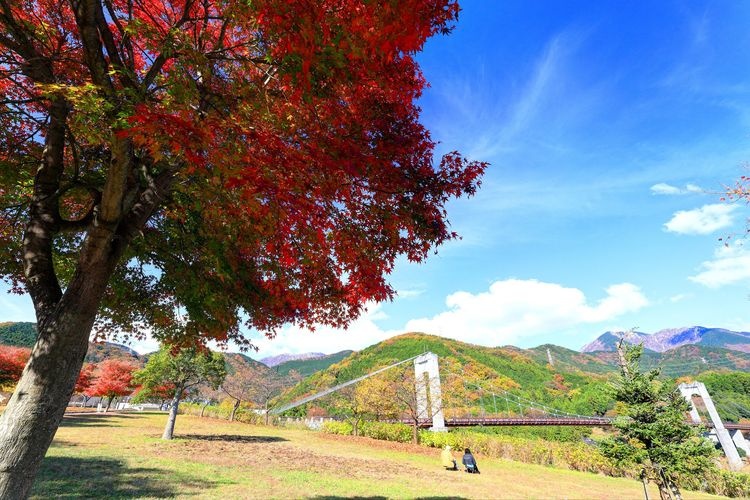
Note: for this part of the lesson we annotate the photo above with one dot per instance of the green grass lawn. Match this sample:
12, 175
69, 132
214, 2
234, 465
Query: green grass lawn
121, 456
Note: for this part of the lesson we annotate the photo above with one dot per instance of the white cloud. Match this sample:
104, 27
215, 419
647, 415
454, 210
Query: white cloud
410, 293
512, 309
679, 297
731, 264
663, 188
703, 220
509, 310
361, 333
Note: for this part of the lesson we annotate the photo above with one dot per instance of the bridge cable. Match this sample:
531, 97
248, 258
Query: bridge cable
331, 390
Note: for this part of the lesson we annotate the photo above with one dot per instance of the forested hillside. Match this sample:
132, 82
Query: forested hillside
18, 334
306, 367
498, 369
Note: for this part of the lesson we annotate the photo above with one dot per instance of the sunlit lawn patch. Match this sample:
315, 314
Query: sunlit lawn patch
123, 456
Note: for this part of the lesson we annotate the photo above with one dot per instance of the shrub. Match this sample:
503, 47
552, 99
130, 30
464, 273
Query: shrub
727, 483
401, 433
334, 427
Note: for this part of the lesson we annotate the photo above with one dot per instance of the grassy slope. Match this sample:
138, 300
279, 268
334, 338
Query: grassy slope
121, 456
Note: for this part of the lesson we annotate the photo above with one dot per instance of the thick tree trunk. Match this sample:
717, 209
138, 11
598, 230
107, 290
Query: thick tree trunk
169, 428
109, 403
37, 406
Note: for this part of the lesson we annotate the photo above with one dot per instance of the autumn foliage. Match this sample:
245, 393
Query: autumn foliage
285, 132
85, 379
258, 162
114, 378
12, 361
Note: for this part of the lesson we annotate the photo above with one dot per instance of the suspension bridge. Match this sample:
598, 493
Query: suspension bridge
430, 412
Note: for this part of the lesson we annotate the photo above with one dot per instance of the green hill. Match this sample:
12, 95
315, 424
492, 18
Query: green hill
572, 391
564, 359
306, 367
18, 334
99, 351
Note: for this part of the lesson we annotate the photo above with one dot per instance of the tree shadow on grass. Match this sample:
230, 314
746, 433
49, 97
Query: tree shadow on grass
234, 438
333, 497
98, 420
102, 477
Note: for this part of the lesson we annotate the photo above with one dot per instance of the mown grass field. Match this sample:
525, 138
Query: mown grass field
122, 455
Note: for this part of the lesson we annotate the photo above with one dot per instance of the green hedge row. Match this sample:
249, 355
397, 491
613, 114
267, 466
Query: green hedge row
377, 430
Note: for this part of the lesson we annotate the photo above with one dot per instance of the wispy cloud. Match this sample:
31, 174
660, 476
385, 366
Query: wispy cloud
663, 188
703, 220
679, 297
500, 112
410, 293
731, 264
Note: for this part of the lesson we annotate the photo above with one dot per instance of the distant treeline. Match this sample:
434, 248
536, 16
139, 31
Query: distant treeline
18, 334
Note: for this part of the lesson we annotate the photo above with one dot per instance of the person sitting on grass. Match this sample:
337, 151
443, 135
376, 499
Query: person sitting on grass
469, 463
447, 457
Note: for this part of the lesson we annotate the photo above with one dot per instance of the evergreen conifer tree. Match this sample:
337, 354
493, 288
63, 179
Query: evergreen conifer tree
654, 433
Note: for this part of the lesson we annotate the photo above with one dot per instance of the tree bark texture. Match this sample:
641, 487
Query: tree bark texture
169, 428
37, 406
234, 410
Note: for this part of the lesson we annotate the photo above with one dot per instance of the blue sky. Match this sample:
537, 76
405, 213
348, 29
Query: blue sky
611, 128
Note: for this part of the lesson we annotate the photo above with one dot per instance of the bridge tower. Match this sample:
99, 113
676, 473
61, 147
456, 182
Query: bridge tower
727, 444
429, 396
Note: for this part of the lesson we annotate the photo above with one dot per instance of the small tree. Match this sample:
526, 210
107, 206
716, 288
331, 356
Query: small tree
241, 382
403, 388
348, 403
654, 434
374, 395
184, 369
271, 386
85, 381
114, 378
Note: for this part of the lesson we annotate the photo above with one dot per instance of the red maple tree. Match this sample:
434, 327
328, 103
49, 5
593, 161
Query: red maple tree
228, 159
113, 378
12, 361
85, 381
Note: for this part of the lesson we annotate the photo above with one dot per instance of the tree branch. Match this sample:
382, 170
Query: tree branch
41, 280
86, 13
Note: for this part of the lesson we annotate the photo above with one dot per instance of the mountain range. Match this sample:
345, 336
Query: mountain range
272, 361
672, 338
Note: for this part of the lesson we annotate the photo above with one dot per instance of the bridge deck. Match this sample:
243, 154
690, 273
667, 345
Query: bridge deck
588, 422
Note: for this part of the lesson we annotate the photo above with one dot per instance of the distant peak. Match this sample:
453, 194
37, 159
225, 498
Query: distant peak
272, 361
